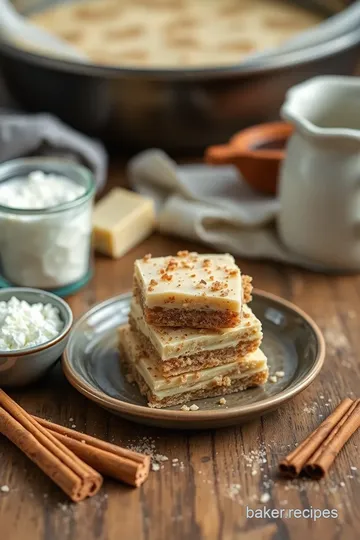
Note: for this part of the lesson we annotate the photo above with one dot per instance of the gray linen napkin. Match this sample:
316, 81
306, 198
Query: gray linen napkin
211, 205
25, 134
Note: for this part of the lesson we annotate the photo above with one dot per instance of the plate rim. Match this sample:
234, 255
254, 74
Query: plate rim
239, 411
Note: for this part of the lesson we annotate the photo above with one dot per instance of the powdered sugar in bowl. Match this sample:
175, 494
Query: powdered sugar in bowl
45, 224
34, 330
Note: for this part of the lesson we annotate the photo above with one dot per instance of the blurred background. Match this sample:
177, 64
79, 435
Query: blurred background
175, 74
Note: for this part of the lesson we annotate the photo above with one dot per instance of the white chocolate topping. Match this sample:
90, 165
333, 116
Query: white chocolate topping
174, 342
121, 220
190, 281
163, 387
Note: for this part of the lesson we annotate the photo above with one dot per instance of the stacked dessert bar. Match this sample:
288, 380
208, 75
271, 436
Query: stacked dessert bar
191, 334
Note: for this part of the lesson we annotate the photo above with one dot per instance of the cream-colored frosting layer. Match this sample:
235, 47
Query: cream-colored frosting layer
163, 387
190, 281
175, 342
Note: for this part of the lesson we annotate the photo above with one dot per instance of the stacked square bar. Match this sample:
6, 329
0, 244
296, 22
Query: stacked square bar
191, 334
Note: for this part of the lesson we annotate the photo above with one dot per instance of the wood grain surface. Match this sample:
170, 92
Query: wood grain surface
210, 478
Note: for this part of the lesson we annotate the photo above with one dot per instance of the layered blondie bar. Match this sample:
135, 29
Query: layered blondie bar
209, 382
190, 333
179, 350
191, 290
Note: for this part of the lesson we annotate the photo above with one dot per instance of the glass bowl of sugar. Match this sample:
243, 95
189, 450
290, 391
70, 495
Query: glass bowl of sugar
45, 224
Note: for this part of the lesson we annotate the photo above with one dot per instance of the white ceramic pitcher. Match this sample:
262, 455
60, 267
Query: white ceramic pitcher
320, 178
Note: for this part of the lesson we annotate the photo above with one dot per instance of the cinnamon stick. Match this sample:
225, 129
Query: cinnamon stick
297, 460
70, 473
321, 461
109, 459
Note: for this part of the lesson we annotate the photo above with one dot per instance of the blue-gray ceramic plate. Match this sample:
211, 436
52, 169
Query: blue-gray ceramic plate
292, 342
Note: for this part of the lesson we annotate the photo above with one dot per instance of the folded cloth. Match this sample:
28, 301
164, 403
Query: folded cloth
24, 134
212, 205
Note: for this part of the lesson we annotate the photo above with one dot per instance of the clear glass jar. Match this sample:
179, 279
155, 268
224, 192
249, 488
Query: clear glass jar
48, 248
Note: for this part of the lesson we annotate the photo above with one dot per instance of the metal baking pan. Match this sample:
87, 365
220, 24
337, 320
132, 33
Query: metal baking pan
176, 109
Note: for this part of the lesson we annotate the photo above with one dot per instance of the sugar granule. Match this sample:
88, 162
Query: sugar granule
194, 407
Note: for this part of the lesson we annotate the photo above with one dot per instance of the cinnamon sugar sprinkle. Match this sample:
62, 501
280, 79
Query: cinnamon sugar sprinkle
231, 271
172, 265
152, 284
218, 285
185, 264
186, 260
166, 277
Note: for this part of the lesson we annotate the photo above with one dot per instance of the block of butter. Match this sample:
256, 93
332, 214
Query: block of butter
121, 220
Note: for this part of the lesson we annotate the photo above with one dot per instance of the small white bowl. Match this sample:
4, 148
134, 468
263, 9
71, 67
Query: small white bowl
25, 366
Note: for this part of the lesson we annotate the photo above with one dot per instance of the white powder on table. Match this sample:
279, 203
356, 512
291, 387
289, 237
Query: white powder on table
265, 497
23, 325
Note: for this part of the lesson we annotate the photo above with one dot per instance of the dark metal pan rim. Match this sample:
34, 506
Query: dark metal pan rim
271, 63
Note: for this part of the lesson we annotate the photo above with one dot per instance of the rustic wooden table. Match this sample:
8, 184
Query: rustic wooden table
211, 477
